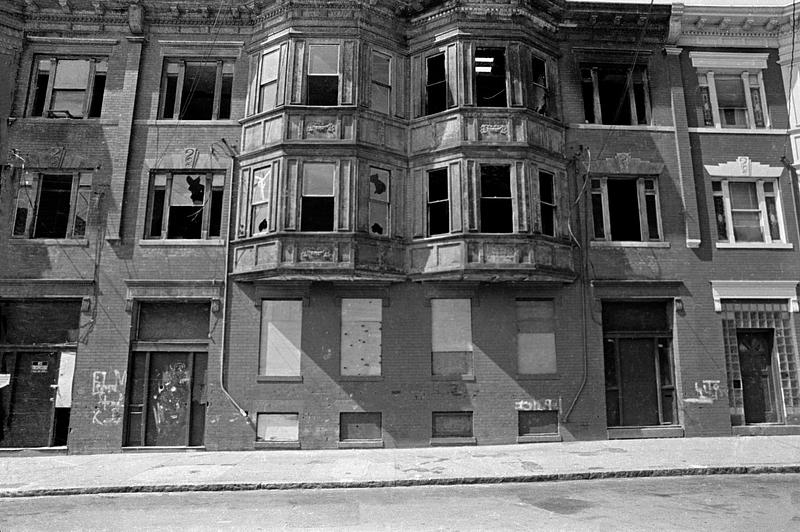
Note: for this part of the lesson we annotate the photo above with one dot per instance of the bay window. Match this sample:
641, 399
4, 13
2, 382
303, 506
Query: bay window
317, 208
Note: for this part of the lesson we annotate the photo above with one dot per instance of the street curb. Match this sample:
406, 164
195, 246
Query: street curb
452, 481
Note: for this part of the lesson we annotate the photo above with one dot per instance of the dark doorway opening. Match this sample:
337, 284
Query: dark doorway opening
758, 375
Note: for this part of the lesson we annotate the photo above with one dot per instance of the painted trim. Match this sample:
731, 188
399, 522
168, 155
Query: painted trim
729, 60
627, 244
754, 245
743, 167
738, 131
755, 290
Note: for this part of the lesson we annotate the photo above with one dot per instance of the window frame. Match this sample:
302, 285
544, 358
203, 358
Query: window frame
263, 343
553, 205
375, 201
477, 75
509, 198
763, 211
642, 192
245, 207
469, 351
210, 176
80, 186
447, 104
47, 103
373, 82
446, 172
334, 193
178, 107
309, 75
547, 108
594, 79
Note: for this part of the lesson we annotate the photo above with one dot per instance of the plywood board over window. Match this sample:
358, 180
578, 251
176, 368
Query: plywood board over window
361, 337
281, 329
451, 338
536, 341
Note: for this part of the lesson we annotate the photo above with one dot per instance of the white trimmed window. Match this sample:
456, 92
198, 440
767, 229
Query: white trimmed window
281, 331
68, 87
256, 199
748, 211
53, 205
732, 91
626, 209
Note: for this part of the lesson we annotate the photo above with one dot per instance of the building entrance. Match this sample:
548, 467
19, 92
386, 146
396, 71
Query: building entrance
758, 380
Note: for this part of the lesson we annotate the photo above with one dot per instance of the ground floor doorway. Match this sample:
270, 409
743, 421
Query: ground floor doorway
757, 376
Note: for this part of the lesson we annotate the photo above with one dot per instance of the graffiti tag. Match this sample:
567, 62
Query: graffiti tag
708, 391
537, 404
108, 391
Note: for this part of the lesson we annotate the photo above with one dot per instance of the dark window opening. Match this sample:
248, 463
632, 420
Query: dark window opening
170, 91
318, 205
196, 90
490, 77
226, 92
323, 75
496, 205
452, 425
185, 206
68, 87
547, 203
623, 209
40, 88
215, 213
317, 214
438, 202
436, 85
534, 422
615, 95
52, 219
360, 426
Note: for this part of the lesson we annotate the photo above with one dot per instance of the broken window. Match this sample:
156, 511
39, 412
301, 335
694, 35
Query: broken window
381, 89
639, 375
536, 339
616, 95
438, 202
185, 205
260, 200
436, 85
68, 87
490, 77
748, 211
451, 425
540, 89
451, 341
317, 209
547, 202
268, 81
196, 90
360, 426
731, 89
360, 351
323, 74
379, 202
496, 204
281, 330
626, 209
53, 206
278, 427
536, 422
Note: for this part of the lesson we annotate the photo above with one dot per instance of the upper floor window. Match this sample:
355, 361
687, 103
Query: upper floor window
323, 74
626, 209
68, 87
317, 208
438, 202
547, 202
53, 205
268, 80
381, 83
196, 90
379, 201
496, 204
185, 205
541, 100
732, 89
439, 81
748, 211
617, 95
490, 77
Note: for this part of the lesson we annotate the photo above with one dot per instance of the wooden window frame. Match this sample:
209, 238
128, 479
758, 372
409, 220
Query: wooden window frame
642, 194
428, 201
29, 194
373, 82
752, 80
54, 59
178, 105
309, 74
762, 210
209, 188
594, 70
387, 233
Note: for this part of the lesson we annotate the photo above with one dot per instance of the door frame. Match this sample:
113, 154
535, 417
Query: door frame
774, 376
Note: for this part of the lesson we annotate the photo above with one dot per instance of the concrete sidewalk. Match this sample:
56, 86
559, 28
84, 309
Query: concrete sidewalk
253, 470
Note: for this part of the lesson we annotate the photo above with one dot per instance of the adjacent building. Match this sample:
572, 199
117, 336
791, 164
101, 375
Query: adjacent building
320, 224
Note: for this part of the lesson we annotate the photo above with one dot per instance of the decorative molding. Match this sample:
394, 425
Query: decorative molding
159, 289
46, 288
83, 41
743, 167
624, 164
754, 290
729, 60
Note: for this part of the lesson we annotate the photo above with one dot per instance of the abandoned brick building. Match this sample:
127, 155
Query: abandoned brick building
311, 224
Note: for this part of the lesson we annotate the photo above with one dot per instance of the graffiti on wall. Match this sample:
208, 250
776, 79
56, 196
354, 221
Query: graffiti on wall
170, 400
538, 404
708, 391
108, 391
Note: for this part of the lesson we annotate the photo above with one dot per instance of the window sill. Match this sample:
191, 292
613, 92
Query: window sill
162, 449
738, 131
170, 122
754, 245
606, 127
446, 442
539, 438
276, 445
467, 378
279, 378
361, 444
181, 243
538, 377
61, 242
94, 121
627, 433
361, 378
627, 244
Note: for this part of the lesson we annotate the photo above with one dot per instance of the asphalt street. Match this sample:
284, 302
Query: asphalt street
731, 502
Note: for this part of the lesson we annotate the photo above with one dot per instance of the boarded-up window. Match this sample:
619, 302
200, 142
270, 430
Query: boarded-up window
277, 427
360, 426
451, 337
452, 425
361, 337
538, 422
173, 320
536, 342
281, 328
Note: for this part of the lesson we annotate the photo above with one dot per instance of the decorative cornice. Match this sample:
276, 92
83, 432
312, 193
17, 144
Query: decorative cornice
754, 290
743, 167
